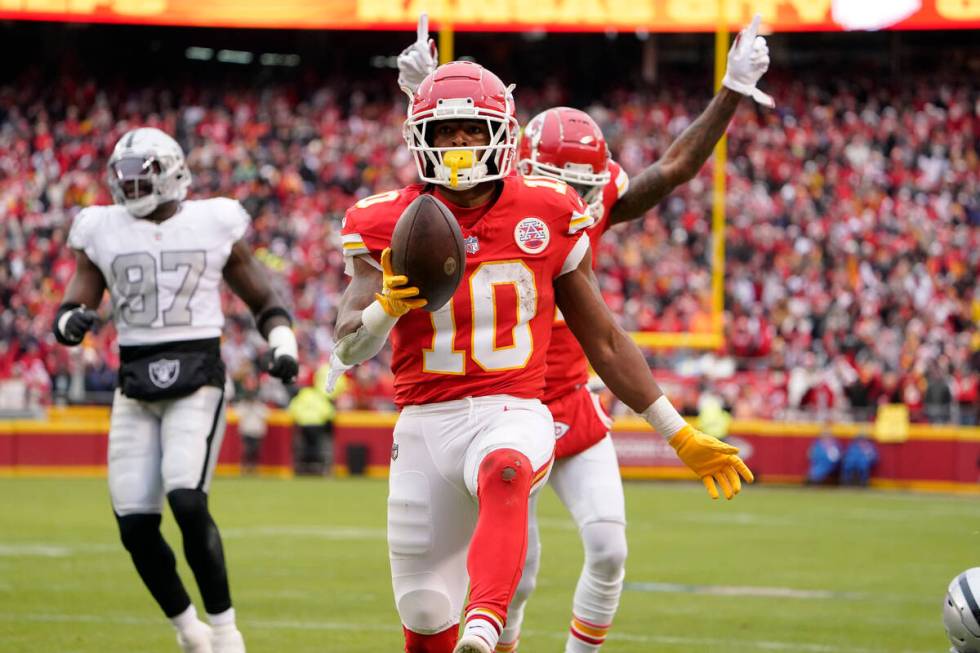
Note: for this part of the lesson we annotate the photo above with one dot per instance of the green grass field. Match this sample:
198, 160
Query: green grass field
777, 569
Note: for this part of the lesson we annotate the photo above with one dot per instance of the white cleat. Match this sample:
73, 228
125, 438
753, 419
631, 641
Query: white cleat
196, 639
472, 644
227, 639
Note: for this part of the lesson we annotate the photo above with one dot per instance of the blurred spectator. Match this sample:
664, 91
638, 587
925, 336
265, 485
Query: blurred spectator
713, 418
313, 412
859, 459
252, 425
824, 455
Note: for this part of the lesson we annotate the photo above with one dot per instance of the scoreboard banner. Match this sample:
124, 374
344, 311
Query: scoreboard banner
511, 15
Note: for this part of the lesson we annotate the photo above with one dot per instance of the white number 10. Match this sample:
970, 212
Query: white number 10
442, 358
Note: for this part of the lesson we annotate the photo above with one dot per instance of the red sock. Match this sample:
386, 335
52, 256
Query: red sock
443, 642
496, 557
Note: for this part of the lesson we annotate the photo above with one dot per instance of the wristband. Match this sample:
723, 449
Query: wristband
664, 418
377, 321
283, 342
268, 314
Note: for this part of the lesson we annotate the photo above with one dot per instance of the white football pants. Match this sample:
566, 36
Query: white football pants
159, 446
590, 486
432, 505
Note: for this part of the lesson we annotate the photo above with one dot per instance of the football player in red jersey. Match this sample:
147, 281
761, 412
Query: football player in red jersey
566, 144
473, 440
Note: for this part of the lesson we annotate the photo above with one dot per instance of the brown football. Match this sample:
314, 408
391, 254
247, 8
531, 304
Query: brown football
427, 247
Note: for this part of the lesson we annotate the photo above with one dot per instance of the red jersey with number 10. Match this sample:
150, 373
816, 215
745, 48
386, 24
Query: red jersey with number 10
567, 366
492, 337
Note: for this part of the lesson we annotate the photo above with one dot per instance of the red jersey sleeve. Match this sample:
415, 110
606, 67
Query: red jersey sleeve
367, 226
619, 183
565, 215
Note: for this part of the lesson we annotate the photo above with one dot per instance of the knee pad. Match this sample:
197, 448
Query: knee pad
605, 548
425, 610
138, 531
439, 643
410, 528
188, 506
507, 473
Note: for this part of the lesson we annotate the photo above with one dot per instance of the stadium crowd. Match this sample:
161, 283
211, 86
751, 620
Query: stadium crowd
853, 243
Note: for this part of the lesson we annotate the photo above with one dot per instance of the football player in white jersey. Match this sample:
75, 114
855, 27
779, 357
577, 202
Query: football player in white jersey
162, 259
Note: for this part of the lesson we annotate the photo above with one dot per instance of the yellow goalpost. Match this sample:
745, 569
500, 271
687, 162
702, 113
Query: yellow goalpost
716, 337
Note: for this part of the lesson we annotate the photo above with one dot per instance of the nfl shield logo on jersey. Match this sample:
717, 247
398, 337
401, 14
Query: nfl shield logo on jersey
531, 235
164, 372
471, 244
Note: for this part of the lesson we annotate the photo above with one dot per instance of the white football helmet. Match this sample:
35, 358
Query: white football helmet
961, 612
146, 169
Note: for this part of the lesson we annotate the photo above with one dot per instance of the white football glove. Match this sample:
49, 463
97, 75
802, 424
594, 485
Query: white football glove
748, 61
417, 60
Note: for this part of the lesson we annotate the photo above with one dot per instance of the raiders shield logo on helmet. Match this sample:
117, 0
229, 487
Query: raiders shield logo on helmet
164, 372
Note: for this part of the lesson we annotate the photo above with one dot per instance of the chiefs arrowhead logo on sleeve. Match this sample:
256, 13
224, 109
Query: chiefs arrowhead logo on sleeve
532, 235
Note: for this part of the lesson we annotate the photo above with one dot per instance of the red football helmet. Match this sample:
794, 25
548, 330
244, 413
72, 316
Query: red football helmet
462, 90
567, 144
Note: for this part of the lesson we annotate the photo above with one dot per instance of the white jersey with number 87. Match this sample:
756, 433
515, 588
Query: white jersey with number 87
164, 278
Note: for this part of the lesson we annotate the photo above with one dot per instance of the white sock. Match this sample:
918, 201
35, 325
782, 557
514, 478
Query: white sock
484, 627
599, 587
186, 619
226, 618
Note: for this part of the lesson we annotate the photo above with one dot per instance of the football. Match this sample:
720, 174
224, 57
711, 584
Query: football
427, 247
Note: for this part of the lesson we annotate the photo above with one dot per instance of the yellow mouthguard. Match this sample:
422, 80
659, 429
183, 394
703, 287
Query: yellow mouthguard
455, 160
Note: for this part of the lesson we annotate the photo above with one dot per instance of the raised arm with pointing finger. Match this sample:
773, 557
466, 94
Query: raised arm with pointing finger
417, 60
748, 61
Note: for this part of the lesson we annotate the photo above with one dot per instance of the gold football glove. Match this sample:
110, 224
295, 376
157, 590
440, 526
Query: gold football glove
712, 460
396, 297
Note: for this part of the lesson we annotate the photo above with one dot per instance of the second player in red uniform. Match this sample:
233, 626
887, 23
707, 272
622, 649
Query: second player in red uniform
473, 441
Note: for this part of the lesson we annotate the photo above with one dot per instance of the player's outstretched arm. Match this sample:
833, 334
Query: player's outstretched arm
620, 364
249, 279
359, 294
366, 316
680, 163
76, 315
748, 60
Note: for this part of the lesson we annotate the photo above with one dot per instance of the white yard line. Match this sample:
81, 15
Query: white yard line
743, 590
34, 550
260, 624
